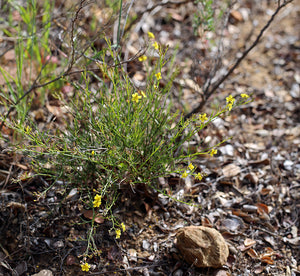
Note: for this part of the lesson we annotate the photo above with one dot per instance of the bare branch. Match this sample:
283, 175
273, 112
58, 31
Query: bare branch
69, 68
238, 61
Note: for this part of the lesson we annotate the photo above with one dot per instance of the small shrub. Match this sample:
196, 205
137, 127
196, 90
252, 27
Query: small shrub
118, 137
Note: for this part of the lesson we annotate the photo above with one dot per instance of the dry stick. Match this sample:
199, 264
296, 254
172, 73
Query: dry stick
217, 60
68, 72
238, 61
35, 85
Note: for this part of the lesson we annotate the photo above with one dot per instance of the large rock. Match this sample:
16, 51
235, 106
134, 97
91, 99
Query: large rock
202, 246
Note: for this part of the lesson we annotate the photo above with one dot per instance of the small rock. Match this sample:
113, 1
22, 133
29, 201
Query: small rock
202, 246
146, 245
132, 254
178, 272
44, 272
288, 164
58, 244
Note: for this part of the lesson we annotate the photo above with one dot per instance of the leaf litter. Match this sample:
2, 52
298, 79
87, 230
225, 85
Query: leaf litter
250, 194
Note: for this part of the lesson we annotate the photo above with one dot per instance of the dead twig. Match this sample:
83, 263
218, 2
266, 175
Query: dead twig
238, 61
65, 73
68, 71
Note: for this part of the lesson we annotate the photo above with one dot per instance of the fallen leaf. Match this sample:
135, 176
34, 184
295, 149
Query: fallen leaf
253, 146
249, 242
206, 222
267, 260
265, 161
231, 170
262, 208
259, 269
265, 191
252, 253
236, 15
246, 217
71, 260
233, 223
89, 214
132, 254
252, 177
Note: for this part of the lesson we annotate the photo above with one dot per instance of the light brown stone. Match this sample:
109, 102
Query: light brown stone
44, 272
202, 246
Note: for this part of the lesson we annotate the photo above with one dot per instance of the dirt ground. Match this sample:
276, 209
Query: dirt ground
251, 193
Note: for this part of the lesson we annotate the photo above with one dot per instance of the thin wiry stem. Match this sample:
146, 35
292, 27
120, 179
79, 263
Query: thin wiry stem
237, 62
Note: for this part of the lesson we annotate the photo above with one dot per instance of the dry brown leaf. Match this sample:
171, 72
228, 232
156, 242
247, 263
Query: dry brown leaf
228, 236
267, 260
236, 15
252, 177
253, 146
269, 251
245, 216
89, 214
265, 191
9, 56
176, 16
6, 130
231, 170
206, 222
249, 242
16, 205
265, 161
22, 166
71, 260
252, 253
262, 208
55, 110
139, 76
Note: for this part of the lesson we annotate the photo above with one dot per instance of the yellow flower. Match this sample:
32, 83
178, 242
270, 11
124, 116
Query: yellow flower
143, 94
213, 152
184, 175
123, 227
229, 106
28, 129
155, 45
158, 75
203, 117
244, 95
191, 166
230, 99
85, 267
136, 97
93, 152
142, 58
118, 233
151, 35
199, 176
97, 201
